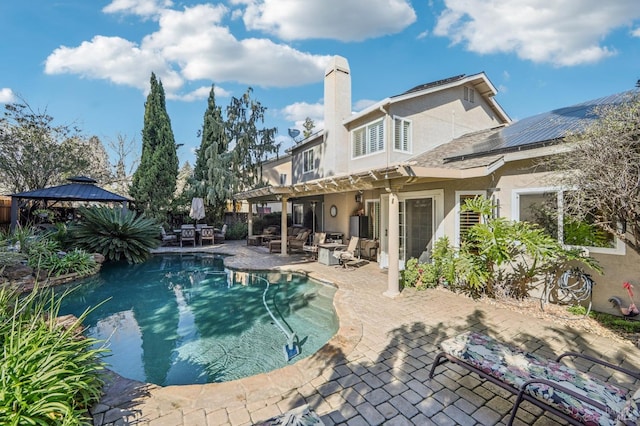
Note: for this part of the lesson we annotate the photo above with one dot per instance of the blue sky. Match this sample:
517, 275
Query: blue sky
88, 63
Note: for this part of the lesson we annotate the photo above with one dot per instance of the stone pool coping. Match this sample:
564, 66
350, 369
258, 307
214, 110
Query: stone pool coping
137, 401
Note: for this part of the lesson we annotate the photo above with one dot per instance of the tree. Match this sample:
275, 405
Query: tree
308, 127
232, 150
122, 170
251, 146
154, 182
211, 172
603, 171
36, 153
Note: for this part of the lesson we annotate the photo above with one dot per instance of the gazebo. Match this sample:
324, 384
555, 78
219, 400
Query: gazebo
81, 188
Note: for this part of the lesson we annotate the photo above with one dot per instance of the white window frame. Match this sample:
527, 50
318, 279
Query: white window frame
458, 210
405, 134
469, 94
619, 249
368, 146
308, 163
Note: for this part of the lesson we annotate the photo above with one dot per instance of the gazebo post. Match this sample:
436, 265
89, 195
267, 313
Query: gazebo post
14, 214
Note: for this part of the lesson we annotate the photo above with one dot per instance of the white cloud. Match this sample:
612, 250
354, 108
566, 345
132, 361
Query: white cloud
7, 96
299, 111
115, 59
189, 45
563, 33
636, 32
363, 104
351, 20
200, 93
143, 8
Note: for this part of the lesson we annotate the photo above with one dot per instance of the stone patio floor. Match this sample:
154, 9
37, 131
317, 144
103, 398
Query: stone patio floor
374, 371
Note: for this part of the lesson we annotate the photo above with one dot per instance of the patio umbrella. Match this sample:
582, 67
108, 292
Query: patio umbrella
197, 209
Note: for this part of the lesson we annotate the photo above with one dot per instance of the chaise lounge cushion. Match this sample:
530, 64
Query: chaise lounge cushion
514, 366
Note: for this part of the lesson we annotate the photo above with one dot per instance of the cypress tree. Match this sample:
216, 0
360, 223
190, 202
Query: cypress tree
154, 182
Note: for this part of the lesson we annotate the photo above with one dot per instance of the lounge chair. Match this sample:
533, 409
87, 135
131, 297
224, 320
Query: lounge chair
188, 234
577, 397
312, 249
167, 238
218, 236
348, 254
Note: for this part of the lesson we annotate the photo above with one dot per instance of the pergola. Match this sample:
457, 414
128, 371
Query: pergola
81, 188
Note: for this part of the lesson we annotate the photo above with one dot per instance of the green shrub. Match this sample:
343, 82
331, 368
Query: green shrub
45, 254
237, 231
499, 257
577, 310
116, 234
420, 275
48, 375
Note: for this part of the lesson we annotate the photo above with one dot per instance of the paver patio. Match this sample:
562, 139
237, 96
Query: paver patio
375, 370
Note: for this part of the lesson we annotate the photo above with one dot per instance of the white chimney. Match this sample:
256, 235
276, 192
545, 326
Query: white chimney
337, 107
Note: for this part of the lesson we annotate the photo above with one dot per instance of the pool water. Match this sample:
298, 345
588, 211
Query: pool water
185, 319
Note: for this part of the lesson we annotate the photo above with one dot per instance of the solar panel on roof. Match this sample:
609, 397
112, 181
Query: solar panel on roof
543, 128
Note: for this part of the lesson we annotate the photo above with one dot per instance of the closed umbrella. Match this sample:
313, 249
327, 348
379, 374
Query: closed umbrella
197, 209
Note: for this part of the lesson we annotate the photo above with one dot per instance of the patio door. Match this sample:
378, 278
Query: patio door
420, 221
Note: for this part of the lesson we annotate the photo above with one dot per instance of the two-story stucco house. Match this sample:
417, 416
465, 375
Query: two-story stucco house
408, 162
360, 164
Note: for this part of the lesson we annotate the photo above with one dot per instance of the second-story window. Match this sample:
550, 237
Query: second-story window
469, 94
401, 134
368, 139
308, 164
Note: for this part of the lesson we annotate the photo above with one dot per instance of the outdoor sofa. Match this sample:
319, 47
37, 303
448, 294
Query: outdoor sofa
577, 397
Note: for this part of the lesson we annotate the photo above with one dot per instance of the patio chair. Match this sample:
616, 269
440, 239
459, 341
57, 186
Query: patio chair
218, 236
348, 254
207, 233
167, 238
188, 234
312, 249
298, 242
577, 397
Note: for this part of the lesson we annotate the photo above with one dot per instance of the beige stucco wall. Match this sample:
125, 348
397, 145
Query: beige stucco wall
435, 119
618, 268
274, 168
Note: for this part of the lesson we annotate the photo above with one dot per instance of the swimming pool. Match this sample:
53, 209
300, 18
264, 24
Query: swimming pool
185, 319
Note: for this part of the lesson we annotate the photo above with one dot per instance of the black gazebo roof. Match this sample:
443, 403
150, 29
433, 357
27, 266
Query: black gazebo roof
81, 188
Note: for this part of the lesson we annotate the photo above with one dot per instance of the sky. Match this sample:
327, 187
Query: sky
88, 63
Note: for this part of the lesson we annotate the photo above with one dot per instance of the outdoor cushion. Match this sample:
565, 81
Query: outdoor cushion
514, 367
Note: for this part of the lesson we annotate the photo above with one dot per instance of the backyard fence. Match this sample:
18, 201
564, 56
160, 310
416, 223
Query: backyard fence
5, 210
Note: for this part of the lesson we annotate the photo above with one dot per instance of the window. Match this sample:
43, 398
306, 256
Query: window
297, 215
308, 164
465, 219
373, 211
469, 94
283, 178
401, 134
546, 208
368, 139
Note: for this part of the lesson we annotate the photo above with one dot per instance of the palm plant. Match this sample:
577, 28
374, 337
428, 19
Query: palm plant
116, 234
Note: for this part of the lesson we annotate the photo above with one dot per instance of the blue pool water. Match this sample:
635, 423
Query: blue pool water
183, 319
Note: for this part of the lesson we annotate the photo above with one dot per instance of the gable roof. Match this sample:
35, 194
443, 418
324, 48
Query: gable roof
539, 130
480, 82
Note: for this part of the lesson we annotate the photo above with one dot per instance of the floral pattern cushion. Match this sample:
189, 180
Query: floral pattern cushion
514, 367
300, 416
